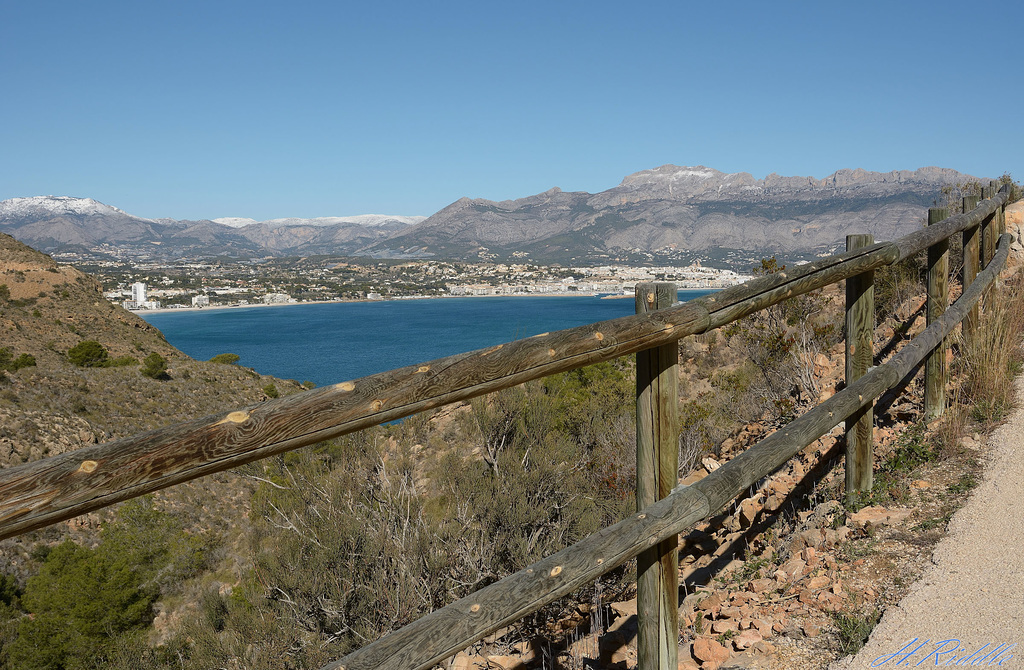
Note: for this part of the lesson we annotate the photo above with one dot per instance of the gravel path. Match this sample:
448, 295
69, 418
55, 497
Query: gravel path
974, 590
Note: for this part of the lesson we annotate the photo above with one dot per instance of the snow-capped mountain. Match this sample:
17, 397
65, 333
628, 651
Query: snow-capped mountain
59, 223
371, 220
58, 205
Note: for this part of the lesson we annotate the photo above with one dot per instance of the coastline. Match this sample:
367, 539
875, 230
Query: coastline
573, 294
566, 294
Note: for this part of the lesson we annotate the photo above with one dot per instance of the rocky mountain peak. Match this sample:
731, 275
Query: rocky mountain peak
57, 205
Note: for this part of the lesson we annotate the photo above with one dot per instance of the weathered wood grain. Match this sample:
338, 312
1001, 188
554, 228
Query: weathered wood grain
860, 333
969, 270
937, 301
657, 466
988, 233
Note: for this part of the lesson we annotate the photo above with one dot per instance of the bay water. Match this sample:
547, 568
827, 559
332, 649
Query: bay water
327, 343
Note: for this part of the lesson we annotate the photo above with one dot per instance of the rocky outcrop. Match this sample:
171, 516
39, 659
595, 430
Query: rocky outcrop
671, 210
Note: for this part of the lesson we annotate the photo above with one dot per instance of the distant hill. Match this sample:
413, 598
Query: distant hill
54, 406
671, 210
668, 213
58, 224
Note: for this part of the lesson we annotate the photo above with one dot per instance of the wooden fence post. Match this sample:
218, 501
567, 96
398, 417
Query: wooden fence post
969, 271
657, 465
938, 299
860, 332
1002, 220
988, 232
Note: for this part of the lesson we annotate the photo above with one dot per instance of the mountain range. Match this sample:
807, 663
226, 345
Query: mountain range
669, 213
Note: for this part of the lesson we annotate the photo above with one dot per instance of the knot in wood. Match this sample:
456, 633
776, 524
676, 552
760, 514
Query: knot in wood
345, 386
555, 571
423, 368
235, 417
88, 466
475, 607
376, 405
599, 336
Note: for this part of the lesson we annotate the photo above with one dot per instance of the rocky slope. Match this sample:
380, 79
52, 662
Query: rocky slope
53, 406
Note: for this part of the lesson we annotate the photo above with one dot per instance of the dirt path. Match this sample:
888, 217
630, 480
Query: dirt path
973, 593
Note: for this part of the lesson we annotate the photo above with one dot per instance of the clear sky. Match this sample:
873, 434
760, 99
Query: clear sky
259, 109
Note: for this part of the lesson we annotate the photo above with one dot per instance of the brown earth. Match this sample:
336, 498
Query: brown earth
54, 406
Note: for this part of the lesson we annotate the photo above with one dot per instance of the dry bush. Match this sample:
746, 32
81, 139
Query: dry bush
994, 359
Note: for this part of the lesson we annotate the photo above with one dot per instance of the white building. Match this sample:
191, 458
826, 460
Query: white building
201, 301
276, 298
139, 292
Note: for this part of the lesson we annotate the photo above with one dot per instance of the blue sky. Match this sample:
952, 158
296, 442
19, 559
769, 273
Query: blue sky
271, 109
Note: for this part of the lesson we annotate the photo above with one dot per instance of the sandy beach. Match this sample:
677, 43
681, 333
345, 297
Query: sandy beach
568, 294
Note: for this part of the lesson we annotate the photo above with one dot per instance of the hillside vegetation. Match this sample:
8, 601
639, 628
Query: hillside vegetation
292, 561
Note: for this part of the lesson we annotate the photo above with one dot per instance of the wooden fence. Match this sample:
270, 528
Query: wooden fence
54, 489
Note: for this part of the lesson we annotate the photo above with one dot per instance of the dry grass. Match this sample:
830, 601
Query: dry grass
994, 359
982, 393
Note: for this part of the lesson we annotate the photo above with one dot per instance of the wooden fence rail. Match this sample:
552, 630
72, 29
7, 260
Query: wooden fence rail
50, 490
441, 633
54, 489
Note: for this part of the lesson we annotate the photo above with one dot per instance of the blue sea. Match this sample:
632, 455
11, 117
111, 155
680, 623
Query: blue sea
329, 343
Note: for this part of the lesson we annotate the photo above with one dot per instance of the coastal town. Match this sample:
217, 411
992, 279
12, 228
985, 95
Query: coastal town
281, 281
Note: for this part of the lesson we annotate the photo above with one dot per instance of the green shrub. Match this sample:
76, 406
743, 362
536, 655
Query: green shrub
271, 391
5, 293
83, 602
23, 361
225, 359
88, 354
854, 628
11, 364
1015, 186
155, 367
